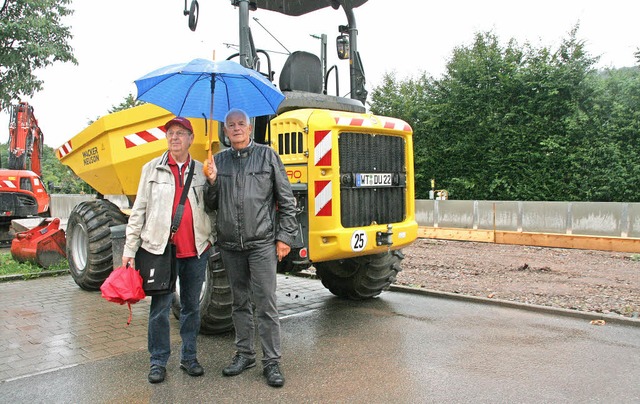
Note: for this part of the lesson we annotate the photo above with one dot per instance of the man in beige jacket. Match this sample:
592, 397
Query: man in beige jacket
149, 227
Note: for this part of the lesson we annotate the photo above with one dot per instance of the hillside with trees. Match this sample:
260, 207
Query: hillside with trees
517, 122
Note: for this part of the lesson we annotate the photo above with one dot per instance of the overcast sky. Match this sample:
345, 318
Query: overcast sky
118, 41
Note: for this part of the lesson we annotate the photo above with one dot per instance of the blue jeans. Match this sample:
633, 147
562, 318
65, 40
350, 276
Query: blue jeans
191, 274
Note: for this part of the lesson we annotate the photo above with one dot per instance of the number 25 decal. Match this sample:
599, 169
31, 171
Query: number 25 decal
358, 240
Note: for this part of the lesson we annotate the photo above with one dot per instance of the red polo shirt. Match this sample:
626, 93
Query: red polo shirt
184, 238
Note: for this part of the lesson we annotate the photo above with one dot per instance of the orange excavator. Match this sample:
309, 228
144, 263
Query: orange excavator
22, 192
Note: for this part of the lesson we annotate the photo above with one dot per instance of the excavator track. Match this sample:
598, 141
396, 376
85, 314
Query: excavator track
6, 235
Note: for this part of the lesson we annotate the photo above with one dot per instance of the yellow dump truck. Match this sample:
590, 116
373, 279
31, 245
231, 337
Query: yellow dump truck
351, 173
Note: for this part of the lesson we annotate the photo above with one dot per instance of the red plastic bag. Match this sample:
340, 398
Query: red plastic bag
124, 285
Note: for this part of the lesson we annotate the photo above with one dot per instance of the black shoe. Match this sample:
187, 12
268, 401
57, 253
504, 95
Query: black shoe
192, 367
157, 374
273, 375
238, 365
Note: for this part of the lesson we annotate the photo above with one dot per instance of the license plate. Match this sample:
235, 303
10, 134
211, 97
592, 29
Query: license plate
373, 180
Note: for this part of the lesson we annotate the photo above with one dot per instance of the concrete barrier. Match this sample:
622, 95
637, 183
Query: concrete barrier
609, 219
563, 224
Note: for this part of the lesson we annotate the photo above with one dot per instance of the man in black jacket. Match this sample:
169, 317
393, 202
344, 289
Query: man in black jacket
250, 180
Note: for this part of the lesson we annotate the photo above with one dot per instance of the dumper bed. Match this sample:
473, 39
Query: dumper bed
109, 154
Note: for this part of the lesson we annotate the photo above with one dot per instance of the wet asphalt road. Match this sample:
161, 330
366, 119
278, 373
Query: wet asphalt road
400, 347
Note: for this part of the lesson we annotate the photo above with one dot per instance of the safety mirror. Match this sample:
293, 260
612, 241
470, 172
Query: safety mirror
194, 12
342, 46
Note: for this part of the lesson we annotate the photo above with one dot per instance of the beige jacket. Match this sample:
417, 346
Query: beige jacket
150, 221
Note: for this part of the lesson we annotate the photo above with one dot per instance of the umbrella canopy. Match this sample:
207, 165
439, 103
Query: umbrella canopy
197, 88
124, 285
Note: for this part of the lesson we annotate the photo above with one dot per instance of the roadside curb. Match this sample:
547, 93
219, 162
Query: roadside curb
608, 318
587, 315
32, 275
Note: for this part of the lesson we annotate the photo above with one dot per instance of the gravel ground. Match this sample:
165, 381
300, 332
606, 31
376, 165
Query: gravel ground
586, 280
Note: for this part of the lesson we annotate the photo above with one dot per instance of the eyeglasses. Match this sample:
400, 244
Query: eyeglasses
180, 133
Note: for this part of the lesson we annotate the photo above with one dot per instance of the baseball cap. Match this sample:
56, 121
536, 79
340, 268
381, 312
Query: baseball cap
184, 122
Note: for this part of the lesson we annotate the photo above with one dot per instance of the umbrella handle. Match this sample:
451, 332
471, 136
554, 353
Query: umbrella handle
205, 166
210, 130
207, 145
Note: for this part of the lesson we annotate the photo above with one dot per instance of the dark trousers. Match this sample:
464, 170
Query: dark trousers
252, 276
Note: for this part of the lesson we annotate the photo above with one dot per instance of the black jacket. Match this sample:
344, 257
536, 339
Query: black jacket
249, 184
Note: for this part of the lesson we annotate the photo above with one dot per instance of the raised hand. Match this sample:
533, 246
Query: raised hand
210, 170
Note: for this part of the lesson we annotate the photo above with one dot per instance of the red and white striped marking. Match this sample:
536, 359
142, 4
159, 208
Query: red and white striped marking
7, 184
322, 152
387, 123
65, 149
346, 121
323, 199
322, 148
397, 124
144, 137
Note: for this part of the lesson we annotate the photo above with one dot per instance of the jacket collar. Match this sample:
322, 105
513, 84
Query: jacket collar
242, 153
164, 161
172, 161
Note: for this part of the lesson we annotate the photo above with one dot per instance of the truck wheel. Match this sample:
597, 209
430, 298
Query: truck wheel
361, 277
89, 241
215, 300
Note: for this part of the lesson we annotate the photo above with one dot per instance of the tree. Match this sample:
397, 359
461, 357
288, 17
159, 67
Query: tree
32, 37
613, 170
516, 122
129, 102
59, 178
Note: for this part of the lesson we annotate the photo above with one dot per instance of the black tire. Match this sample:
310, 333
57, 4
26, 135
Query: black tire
285, 266
89, 249
361, 277
215, 300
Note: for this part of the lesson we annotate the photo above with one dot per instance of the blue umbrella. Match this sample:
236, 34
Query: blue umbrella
209, 89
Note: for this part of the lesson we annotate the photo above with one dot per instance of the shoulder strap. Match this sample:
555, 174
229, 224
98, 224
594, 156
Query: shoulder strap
180, 209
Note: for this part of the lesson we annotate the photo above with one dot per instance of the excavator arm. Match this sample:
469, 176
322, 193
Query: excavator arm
25, 139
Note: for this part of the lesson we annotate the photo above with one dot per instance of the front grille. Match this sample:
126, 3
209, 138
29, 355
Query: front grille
290, 143
367, 153
26, 200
